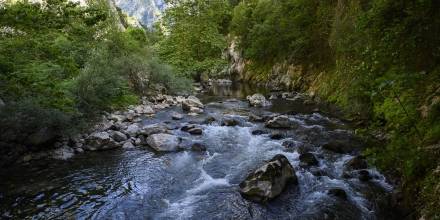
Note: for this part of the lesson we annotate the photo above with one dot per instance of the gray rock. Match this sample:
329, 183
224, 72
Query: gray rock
163, 142
63, 153
186, 128
118, 136
144, 109
281, 121
2, 103
196, 110
192, 102
100, 141
176, 116
230, 122
128, 145
268, 181
258, 100
195, 131
133, 130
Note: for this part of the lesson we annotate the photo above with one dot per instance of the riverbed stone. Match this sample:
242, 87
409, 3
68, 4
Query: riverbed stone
258, 100
281, 122
268, 181
230, 122
198, 147
186, 128
163, 142
308, 159
128, 145
195, 131
100, 141
118, 136
63, 153
192, 102
133, 130
176, 116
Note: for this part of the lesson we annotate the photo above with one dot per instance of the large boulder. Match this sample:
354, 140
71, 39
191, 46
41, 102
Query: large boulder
268, 181
163, 142
281, 121
2, 103
192, 102
258, 100
100, 141
144, 109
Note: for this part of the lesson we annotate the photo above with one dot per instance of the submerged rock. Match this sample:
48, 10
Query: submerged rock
163, 142
258, 100
281, 121
268, 181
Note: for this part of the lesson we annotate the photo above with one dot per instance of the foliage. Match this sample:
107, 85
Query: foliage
194, 36
65, 63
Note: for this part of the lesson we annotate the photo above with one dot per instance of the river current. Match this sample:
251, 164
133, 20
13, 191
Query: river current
141, 184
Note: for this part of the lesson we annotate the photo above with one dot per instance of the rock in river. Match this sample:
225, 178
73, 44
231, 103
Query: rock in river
308, 159
191, 102
281, 121
268, 181
163, 142
258, 100
100, 141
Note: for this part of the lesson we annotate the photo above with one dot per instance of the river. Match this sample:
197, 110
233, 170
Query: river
141, 184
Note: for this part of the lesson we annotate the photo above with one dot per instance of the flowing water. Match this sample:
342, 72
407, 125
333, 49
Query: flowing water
140, 184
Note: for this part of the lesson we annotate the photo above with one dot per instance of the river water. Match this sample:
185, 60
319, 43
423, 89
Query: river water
140, 184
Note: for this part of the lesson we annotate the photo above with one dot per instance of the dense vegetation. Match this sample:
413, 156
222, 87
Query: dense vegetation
379, 60
62, 64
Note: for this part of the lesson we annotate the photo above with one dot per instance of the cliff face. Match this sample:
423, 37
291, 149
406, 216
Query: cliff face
145, 11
